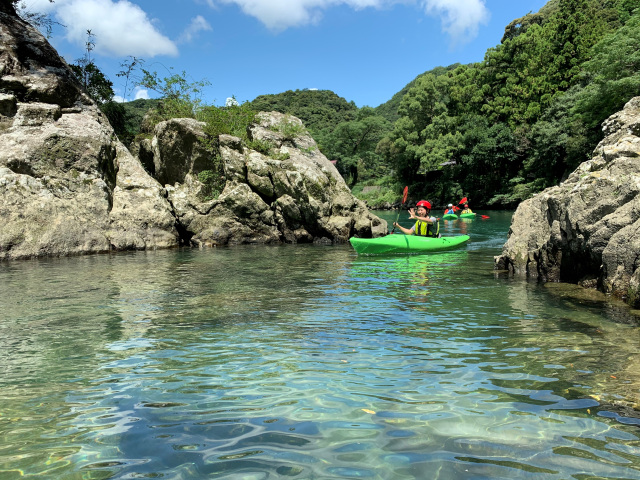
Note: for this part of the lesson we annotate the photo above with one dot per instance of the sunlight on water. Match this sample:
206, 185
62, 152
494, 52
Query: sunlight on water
312, 362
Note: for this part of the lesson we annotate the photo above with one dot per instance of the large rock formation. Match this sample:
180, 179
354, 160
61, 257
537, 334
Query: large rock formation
586, 230
292, 195
68, 186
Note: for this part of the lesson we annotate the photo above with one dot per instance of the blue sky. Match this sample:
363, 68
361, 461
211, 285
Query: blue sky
363, 50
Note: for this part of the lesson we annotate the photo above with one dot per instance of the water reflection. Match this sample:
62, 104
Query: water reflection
309, 362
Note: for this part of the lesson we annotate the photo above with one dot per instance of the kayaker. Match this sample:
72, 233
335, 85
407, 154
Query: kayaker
466, 209
450, 210
425, 226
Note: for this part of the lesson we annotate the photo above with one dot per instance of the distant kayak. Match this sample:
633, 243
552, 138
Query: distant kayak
467, 215
450, 216
400, 243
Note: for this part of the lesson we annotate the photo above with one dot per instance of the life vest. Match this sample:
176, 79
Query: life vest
467, 210
424, 229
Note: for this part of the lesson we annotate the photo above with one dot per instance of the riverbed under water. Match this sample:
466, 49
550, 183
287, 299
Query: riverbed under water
311, 362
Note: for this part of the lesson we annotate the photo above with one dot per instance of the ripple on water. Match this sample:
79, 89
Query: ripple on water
308, 362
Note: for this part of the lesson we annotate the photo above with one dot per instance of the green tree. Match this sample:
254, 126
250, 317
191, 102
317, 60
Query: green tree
319, 110
353, 145
488, 159
95, 83
570, 128
181, 98
611, 76
426, 136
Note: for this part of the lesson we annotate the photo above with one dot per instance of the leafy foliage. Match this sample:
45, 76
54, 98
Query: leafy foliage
212, 181
181, 98
232, 120
353, 144
96, 84
502, 129
318, 109
496, 131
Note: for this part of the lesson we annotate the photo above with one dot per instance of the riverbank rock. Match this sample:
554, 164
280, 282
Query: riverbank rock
586, 230
69, 186
287, 192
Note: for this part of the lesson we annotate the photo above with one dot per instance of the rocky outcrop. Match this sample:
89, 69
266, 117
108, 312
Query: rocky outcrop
69, 186
587, 229
292, 194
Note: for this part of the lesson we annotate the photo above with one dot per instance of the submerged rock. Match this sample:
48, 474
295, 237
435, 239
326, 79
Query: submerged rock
586, 230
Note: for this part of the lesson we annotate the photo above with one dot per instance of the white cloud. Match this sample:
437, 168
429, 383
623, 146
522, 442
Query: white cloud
138, 93
206, 2
142, 93
460, 18
198, 24
42, 6
120, 28
279, 15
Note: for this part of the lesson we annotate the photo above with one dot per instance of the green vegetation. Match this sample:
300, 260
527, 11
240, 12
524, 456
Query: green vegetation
318, 109
522, 119
289, 129
497, 131
212, 181
379, 193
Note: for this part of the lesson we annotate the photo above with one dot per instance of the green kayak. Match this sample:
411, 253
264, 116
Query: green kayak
450, 216
467, 215
400, 243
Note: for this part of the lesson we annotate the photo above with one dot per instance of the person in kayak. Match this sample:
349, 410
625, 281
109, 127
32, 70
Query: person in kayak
466, 209
425, 225
450, 210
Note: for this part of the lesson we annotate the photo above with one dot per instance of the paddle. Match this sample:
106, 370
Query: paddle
405, 192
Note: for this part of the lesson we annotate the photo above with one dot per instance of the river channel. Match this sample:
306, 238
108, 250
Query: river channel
311, 362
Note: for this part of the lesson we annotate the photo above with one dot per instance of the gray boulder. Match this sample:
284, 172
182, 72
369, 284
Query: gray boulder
586, 230
290, 194
67, 185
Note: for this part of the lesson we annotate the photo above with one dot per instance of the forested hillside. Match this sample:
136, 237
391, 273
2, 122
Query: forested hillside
318, 109
499, 130
496, 131
528, 114
343, 132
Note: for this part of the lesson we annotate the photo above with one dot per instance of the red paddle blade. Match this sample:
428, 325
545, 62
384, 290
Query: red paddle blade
484, 216
464, 200
405, 192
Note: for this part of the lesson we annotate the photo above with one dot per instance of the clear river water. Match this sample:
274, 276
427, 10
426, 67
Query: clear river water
311, 362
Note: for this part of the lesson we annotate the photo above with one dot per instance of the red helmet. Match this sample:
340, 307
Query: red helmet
424, 203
